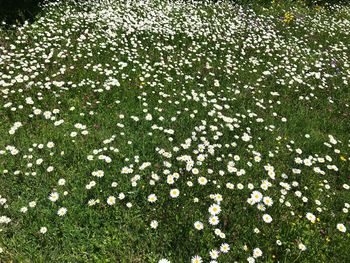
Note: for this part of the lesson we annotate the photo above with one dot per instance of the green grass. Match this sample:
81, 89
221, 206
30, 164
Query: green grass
210, 75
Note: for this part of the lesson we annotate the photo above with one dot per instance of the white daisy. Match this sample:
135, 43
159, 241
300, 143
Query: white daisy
62, 211
302, 247
213, 220
111, 200
174, 193
154, 224
311, 217
54, 196
224, 248
341, 228
43, 230
214, 254
202, 180
198, 225
257, 252
152, 198
267, 218
214, 209
196, 259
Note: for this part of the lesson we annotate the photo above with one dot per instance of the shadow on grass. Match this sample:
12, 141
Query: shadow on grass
18, 11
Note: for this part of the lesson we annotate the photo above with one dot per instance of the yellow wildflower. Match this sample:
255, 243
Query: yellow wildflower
288, 17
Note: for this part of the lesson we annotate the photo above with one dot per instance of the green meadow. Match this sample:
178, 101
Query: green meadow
176, 131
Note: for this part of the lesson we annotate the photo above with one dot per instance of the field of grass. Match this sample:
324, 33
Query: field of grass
156, 131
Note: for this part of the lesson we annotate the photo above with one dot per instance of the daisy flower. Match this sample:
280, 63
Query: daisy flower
341, 228
62, 211
111, 200
267, 218
214, 209
256, 196
214, 254
202, 180
43, 230
224, 248
213, 220
152, 198
311, 217
267, 201
54, 196
196, 259
198, 225
174, 193
154, 224
302, 247
257, 252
